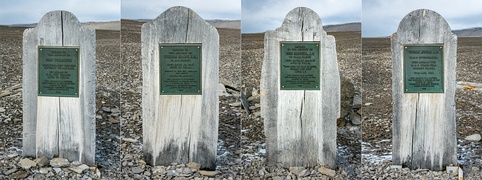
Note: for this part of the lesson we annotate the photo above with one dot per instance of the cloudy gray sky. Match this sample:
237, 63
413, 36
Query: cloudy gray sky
381, 17
207, 9
262, 15
31, 11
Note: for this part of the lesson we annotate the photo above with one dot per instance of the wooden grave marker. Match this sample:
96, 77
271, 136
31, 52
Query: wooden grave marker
180, 110
300, 92
424, 54
59, 89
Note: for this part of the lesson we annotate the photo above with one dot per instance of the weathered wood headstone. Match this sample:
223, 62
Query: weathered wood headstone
300, 92
180, 60
59, 89
424, 54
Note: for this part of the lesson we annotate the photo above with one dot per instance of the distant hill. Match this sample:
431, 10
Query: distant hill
23, 25
470, 32
355, 26
228, 24
109, 25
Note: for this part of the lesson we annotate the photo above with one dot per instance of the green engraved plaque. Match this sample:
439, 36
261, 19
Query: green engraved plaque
423, 69
180, 69
300, 65
58, 71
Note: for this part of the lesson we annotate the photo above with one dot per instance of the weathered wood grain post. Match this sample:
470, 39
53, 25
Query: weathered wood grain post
424, 54
180, 60
59, 89
300, 92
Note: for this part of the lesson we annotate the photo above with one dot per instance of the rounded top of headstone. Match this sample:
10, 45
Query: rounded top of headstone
58, 13
423, 18
177, 14
301, 13
176, 10
423, 26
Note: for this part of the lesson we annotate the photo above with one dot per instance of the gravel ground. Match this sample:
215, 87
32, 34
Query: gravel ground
241, 145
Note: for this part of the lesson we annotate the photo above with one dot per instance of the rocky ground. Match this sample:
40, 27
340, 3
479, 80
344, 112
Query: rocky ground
107, 112
377, 111
349, 135
229, 119
241, 145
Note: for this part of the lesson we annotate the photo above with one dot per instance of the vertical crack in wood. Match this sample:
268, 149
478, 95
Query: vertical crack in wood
187, 26
301, 124
302, 24
414, 130
60, 107
62, 26
189, 136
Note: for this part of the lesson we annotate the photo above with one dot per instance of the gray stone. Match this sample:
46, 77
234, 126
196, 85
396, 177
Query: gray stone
193, 165
357, 101
2, 109
106, 109
12, 155
235, 104
158, 170
59, 162
42, 161
45, 170
304, 173
347, 92
76, 163
26, 163
57, 170
222, 90
79, 169
147, 173
172, 173
296, 170
355, 118
473, 138
186, 170
326, 171
11, 171
19, 175
137, 170
208, 173
115, 110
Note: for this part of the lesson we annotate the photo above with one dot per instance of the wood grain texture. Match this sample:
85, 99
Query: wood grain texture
300, 125
180, 128
59, 126
424, 123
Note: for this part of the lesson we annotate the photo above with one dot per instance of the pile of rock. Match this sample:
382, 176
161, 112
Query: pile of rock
43, 168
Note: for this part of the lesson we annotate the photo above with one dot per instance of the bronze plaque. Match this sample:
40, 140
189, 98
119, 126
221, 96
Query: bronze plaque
58, 71
180, 69
423, 69
300, 65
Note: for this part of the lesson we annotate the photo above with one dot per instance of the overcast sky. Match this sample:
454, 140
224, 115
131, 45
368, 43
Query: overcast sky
207, 9
31, 11
381, 17
262, 15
